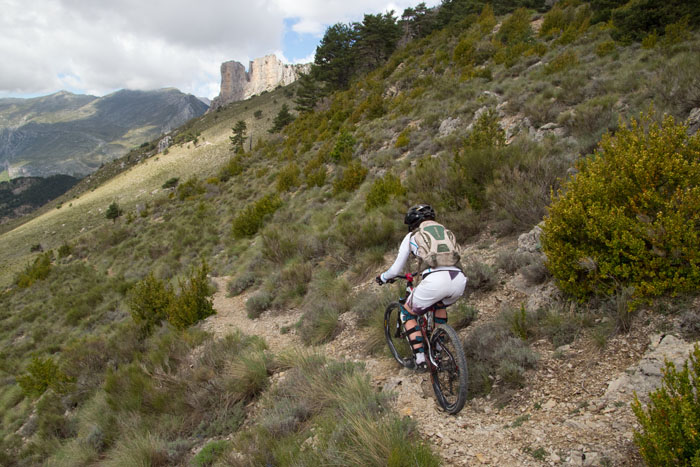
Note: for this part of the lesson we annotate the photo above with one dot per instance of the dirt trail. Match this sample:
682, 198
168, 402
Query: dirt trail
557, 419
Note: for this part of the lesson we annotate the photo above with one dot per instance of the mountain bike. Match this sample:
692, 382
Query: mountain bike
445, 355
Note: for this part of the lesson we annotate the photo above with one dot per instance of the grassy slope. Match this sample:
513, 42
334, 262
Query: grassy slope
324, 237
83, 212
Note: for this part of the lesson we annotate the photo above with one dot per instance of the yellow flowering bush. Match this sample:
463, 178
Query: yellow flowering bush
630, 216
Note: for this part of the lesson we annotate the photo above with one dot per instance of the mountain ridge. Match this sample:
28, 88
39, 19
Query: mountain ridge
75, 134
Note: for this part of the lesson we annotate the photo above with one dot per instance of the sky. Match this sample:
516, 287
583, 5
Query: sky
100, 46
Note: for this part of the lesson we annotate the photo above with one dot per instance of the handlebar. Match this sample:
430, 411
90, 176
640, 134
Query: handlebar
407, 277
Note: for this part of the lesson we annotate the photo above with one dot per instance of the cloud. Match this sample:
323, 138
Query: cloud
98, 47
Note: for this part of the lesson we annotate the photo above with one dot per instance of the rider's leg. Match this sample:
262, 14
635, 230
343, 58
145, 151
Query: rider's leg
440, 315
415, 337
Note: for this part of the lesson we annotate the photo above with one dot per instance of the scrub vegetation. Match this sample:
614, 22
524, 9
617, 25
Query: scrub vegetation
480, 110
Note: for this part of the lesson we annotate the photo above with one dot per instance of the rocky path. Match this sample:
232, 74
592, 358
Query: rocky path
561, 417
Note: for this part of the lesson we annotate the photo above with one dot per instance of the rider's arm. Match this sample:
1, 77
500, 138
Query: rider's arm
396, 269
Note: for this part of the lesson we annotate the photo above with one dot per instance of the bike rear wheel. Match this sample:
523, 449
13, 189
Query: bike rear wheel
450, 377
395, 336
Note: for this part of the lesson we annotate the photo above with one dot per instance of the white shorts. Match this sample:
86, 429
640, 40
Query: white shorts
447, 286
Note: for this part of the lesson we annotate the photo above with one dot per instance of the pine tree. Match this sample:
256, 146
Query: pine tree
283, 118
334, 62
238, 137
113, 211
308, 93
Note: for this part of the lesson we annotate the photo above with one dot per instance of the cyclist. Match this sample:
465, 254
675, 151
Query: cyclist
442, 283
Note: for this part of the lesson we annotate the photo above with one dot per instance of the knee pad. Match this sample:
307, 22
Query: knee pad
440, 320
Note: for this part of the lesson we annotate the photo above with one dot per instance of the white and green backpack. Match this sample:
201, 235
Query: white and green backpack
437, 246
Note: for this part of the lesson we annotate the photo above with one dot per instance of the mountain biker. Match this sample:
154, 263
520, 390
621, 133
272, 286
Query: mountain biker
440, 284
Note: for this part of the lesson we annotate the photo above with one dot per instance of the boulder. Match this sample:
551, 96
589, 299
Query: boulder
645, 376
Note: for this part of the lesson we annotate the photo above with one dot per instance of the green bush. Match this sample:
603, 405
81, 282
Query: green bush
194, 301
113, 211
171, 182
516, 28
350, 178
383, 189
210, 453
562, 62
258, 303
43, 374
252, 217
233, 167
288, 177
344, 146
670, 423
190, 189
403, 139
65, 250
149, 302
630, 216
605, 48
37, 271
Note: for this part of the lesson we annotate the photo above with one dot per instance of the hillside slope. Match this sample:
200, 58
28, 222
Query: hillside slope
294, 228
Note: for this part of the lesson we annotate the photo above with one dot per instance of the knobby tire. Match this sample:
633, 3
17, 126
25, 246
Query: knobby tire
450, 377
396, 338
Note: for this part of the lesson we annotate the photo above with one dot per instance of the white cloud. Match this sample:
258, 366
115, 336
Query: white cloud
100, 46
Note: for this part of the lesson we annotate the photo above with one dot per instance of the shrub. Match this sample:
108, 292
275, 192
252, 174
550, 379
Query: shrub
480, 276
171, 182
462, 315
149, 302
233, 167
629, 216
113, 211
65, 250
288, 177
327, 299
670, 423
562, 62
252, 217
241, 283
37, 271
605, 48
258, 303
382, 190
350, 178
486, 132
194, 301
211, 452
516, 28
343, 149
190, 189
403, 139
43, 374
492, 351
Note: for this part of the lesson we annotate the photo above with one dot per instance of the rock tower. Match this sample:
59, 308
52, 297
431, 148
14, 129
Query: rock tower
264, 74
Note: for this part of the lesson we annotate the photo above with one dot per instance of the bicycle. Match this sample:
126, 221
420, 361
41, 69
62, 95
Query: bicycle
446, 361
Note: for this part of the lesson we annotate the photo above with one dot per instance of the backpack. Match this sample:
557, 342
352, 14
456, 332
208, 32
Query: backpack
437, 246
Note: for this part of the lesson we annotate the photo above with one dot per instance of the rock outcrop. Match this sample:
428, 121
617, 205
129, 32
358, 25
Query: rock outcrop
264, 74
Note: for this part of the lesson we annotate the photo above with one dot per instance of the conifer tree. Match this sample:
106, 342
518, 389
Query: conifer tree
283, 118
238, 137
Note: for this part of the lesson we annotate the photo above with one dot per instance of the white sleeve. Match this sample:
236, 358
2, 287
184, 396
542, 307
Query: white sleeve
396, 269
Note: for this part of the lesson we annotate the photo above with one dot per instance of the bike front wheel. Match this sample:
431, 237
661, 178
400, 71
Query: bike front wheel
396, 337
449, 377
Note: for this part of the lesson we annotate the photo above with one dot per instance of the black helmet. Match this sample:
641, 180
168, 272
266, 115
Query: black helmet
417, 214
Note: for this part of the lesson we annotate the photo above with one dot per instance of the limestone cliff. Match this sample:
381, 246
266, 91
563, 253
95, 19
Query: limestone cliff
264, 74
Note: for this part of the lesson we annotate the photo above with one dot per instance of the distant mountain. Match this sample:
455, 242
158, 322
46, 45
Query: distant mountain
75, 134
22, 195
